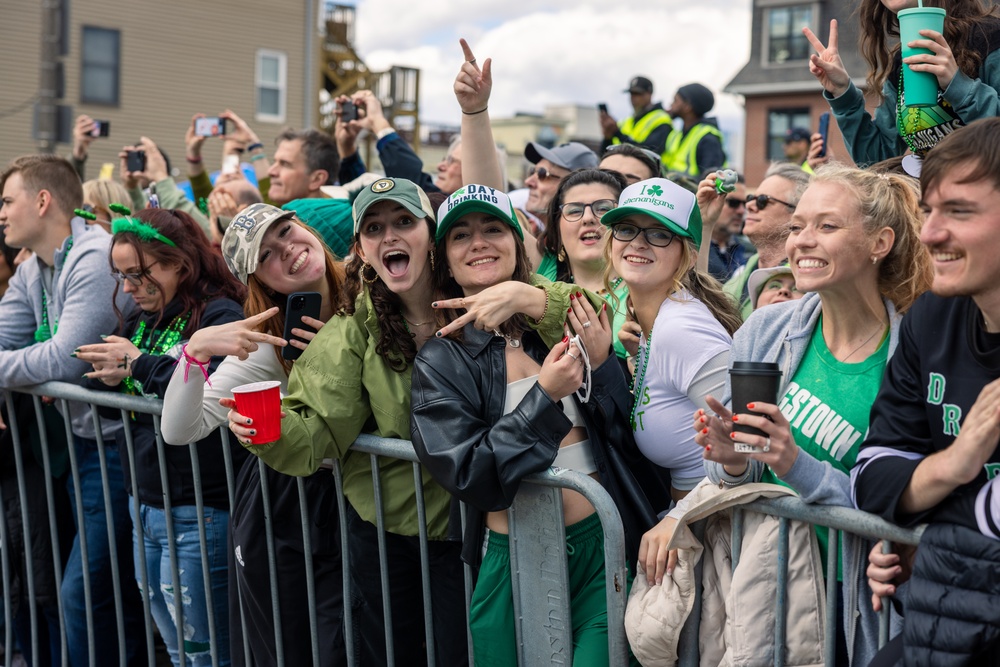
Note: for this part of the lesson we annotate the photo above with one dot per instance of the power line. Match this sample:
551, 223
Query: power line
19, 108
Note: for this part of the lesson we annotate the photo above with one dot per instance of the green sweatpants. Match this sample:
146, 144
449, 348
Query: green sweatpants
491, 615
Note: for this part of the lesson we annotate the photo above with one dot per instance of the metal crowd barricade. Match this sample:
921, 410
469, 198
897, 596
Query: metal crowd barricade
537, 539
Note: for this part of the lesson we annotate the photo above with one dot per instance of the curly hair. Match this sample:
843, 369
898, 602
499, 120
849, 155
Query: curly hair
551, 239
202, 273
880, 35
893, 201
396, 344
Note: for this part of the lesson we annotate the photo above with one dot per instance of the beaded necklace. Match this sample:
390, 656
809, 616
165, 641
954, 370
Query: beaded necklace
640, 377
166, 341
43, 332
900, 113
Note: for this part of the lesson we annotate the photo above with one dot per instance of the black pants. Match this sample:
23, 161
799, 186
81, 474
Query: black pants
249, 572
406, 597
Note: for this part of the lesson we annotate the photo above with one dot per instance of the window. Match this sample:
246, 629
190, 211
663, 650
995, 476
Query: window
100, 66
785, 41
780, 121
272, 77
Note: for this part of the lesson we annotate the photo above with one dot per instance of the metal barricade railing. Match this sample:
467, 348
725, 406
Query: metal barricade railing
537, 538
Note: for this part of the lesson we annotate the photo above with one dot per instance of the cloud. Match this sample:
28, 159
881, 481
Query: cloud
562, 51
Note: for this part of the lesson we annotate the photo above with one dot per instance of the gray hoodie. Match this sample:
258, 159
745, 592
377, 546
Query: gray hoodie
781, 333
79, 286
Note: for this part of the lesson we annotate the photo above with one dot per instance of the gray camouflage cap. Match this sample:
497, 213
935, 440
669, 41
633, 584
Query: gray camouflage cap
241, 243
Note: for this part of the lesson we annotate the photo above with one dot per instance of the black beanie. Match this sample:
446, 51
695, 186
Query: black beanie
699, 97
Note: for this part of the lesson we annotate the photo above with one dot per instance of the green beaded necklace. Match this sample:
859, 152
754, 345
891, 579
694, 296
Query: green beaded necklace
640, 377
168, 338
43, 332
900, 113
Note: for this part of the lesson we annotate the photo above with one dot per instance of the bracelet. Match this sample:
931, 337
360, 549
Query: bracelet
546, 308
189, 361
473, 113
384, 132
194, 160
254, 146
258, 156
736, 481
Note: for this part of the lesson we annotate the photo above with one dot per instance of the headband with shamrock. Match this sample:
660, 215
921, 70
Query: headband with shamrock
144, 231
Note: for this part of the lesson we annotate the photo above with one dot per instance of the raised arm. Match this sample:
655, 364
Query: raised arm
472, 90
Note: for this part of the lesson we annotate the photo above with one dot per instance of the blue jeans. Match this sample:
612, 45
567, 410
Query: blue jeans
99, 549
162, 591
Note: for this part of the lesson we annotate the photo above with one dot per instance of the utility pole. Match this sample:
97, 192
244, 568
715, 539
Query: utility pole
48, 78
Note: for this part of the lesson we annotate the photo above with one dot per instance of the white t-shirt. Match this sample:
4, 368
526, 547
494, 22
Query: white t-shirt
685, 337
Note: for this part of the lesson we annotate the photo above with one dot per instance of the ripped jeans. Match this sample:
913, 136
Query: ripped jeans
159, 577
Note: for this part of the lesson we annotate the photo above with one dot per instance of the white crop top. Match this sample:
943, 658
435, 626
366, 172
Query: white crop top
577, 456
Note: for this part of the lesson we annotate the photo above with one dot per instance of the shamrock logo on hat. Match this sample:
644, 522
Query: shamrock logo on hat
460, 191
655, 190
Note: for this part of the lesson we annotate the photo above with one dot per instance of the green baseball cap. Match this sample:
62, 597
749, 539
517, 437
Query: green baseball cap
476, 198
403, 192
665, 202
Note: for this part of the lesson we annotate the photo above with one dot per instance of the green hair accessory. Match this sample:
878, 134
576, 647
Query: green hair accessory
85, 214
135, 226
120, 208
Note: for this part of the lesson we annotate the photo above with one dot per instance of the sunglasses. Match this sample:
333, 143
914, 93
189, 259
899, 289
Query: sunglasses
763, 200
574, 210
655, 236
543, 174
734, 202
134, 278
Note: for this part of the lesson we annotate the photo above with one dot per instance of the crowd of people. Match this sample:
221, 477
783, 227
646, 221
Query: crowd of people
587, 322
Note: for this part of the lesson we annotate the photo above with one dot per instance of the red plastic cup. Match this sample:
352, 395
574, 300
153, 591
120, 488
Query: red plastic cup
261, 402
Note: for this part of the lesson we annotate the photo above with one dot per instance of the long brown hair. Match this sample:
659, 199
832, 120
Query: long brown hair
880, 35
396, 345
260, 297
447, 288
202, 274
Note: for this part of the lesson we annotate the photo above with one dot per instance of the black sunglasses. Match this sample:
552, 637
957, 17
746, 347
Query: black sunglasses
763, 200
543, 174
734, 202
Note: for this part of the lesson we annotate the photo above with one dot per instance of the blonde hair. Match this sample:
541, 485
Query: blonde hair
103, 192
893, 201
698, 284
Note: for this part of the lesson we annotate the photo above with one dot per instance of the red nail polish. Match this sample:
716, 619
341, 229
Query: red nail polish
708, 448
565, 338
732, 436
749, 407
704, 431
579, 294
701, 419
569, 310
572, 296
604, 308
736, 418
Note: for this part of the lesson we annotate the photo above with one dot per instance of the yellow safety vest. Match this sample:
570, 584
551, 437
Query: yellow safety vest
639, 132
681, 152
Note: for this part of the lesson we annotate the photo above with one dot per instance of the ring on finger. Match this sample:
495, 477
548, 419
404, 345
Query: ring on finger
570, 354
586, 325
767, 445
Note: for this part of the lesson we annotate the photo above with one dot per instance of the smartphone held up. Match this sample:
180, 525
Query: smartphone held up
101, 128
210, 126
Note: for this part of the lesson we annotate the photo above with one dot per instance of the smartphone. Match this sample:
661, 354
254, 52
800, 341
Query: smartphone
300, 304
824, 129
211, 126
135, 160
101, 128
602, 107
348, 111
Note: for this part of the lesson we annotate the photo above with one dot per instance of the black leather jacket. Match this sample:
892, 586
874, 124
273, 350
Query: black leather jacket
479, 454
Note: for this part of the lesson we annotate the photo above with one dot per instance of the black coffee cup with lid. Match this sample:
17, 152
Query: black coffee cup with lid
752, 382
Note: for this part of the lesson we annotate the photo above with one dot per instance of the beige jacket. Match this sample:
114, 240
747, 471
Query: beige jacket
738, 608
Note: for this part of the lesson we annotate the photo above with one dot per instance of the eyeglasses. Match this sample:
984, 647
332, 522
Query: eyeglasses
543, 174
655, 236
134, 278
450, 160
763, 200
735, 202
574, 210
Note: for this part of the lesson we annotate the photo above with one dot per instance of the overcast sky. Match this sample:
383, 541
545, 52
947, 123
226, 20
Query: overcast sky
560, 51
